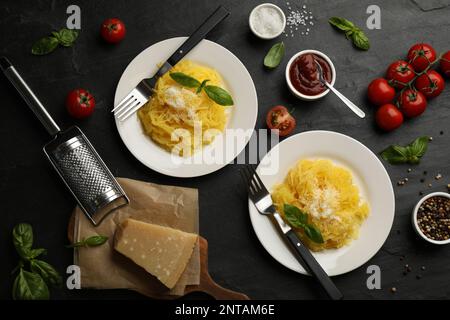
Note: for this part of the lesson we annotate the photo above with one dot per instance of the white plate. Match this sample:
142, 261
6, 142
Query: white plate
369, 175
242, 116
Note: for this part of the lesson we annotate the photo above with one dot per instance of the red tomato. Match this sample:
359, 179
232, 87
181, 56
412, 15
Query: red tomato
388, 117
445, 64
380, 92
113, 30
279, 118
430, 84
412, 103
420, 56
80, 103
400, 73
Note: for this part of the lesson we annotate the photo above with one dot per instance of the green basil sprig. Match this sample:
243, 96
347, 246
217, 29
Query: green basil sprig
410, 153
215, 93
299, 219
31, 284
93, 241
274, 56
351, 31
64, 37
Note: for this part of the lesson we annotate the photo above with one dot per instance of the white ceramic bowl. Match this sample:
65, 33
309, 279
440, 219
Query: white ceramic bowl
300, 95
414, 217
270, 5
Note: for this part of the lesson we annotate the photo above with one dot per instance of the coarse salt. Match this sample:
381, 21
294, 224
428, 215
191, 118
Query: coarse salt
267, 21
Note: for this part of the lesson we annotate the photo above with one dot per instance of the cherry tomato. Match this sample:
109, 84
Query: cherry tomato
412, 103
400, 73
421, 55
113, 30
80, 103
380, 92
388, 117
430, 84
279, 118
445, 64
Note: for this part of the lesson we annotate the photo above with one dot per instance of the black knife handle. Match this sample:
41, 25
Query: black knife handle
214, 19
304, 256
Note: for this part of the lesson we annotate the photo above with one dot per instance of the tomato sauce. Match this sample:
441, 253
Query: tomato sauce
304, 74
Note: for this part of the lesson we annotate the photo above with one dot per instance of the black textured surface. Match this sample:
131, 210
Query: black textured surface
31, 191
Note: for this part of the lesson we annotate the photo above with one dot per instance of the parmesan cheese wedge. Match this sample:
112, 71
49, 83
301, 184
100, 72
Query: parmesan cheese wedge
161, 251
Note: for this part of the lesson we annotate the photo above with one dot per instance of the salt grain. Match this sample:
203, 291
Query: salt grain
267, 21
298, 20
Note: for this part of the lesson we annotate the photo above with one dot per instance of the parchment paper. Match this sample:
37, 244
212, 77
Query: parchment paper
104, 268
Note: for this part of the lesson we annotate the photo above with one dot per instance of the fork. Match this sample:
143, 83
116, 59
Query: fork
144, 90
344, 99
262, 200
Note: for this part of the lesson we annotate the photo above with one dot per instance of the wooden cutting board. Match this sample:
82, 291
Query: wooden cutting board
207, 284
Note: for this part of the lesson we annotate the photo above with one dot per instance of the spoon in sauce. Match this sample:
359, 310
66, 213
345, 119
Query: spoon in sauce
344, 99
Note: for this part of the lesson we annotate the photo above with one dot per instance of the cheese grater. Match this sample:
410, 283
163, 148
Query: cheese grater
74, 158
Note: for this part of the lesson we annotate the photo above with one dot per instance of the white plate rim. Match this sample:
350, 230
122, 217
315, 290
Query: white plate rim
211, 168
253, 212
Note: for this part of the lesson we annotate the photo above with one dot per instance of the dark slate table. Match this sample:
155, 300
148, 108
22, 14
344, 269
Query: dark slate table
30, 191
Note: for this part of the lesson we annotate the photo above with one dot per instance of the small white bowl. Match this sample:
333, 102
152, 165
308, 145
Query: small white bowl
414, 217
300, 95
269, 5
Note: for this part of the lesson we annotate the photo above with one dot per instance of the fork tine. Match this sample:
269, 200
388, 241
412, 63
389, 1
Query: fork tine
246, 177
252, 181
131, 111
256, 176
123, 102
124, 109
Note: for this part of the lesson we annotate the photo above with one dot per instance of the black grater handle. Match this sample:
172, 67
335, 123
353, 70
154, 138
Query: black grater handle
29, 97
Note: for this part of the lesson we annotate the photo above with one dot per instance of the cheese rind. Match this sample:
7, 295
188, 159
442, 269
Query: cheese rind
161, 251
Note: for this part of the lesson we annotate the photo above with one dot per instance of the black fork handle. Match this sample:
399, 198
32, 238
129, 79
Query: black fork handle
306, 259
213, 20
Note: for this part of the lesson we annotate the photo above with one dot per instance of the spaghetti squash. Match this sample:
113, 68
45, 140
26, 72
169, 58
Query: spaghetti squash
178, 118
325, 192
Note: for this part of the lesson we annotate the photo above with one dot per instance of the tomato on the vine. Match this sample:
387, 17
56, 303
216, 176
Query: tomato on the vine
430, 84
400, 73
279, 118
412, 103
80, 103
388, 117
421, 55
445, 64
380, 92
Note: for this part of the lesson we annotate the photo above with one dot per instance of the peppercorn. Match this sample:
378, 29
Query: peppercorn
433, 218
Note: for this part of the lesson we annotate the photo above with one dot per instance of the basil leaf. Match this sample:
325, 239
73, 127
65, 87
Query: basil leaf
352, 32
313, 233
44, 46
93, 241
274, 56
395, 154
409, 154
295, 216
66, 37
219, 95
419, 146
34, 253
47, 272
200, 88
341, 23
185, 80
23, 240
360, 40
29, 286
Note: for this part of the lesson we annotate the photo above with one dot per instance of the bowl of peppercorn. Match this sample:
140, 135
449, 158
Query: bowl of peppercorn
431, 218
